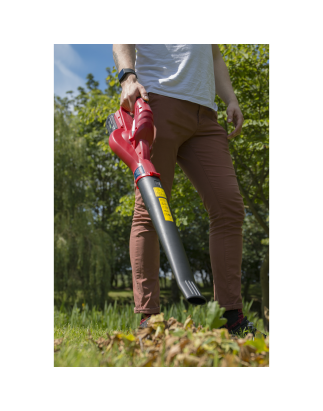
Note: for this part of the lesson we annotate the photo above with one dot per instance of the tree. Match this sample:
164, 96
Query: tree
84, 253
248, 66
109, 178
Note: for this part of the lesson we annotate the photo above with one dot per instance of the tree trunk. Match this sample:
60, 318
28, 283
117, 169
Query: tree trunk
264, 278
112, 279
123, 280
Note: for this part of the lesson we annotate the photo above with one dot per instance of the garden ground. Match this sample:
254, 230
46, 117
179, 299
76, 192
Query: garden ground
181, 336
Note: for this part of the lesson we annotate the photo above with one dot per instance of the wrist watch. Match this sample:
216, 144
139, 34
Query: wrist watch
124, 72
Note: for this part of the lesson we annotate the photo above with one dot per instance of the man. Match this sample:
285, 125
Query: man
180, 82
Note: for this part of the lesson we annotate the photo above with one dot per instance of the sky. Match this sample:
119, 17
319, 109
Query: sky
72, 63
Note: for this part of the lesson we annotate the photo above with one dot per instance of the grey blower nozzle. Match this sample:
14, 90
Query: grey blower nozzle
158, 208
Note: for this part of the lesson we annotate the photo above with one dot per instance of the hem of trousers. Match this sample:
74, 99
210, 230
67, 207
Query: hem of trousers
232, 307
155, 310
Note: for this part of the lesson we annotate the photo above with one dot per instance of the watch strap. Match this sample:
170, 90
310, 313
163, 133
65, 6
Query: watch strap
124, 72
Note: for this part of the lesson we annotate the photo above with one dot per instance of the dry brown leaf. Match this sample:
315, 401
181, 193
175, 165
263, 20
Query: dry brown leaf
199, 351
144, 332
102, 342
148, 343
183, 342
193, 347
159, 331
187, 360
240, 341
230, 360
156, 321
175, 349
244, 353
176, 325
153, 350
58, 341
141, 344
169, 341
188, 323
149, 361
250, 349
171, 321
204, 360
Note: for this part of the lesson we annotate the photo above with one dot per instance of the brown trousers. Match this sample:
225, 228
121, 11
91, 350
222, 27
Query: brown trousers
190, 135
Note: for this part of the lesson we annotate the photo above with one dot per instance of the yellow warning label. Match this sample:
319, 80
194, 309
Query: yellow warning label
166, 210
159, 192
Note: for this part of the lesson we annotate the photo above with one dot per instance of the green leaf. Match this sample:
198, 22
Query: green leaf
214, 314
178, 332
265, 241
259, 344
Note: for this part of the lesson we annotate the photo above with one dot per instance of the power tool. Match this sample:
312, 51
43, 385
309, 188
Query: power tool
131, 138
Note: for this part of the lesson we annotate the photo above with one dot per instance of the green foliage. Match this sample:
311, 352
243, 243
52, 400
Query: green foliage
83, 252
89, 181
214, 314
259, 344
249, 71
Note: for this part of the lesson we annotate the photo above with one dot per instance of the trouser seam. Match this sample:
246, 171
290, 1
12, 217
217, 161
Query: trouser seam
136, 264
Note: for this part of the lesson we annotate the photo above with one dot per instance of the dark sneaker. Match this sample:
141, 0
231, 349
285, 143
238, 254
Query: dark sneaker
144, 322
145, 319
244, 328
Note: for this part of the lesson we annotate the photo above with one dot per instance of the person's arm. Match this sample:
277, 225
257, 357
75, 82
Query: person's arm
225, 91
124, 56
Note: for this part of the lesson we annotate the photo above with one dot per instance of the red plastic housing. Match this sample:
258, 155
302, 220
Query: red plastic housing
133, 138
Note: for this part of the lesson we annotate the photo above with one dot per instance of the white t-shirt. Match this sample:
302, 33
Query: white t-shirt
183, 71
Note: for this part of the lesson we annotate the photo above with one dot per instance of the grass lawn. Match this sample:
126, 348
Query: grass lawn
92, 338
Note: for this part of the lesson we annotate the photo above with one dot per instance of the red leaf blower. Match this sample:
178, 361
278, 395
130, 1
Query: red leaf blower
131, 138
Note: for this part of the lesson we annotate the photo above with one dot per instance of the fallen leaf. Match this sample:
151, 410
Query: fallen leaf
102, 342
203, 361
149, 361
183, 342
230, 360
187, 360
144, 332
188, 322
244, 354
259, 344
171, 321
175, 349
159, 330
